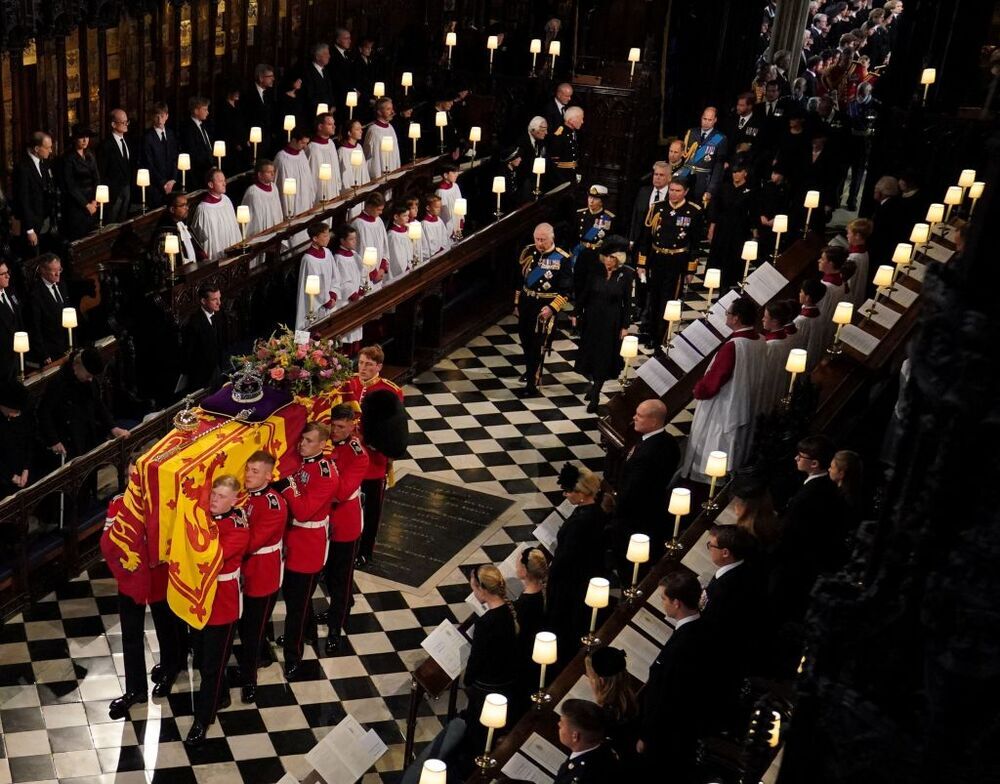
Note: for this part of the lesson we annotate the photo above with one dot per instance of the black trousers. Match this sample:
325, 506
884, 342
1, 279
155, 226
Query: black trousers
534, 337
373, 491
172, 636
665, 274
253, 625
298, 590
339, 583
133, 620
212, 647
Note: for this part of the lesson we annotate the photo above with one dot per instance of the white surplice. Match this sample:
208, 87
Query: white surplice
215, 225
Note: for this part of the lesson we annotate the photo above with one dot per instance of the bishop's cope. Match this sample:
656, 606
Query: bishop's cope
547, 279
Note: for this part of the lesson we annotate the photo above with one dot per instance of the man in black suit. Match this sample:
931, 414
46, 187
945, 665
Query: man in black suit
814, 68
582, 730
744, 130
318, 84
48, 297
555, 108
889, 218
814, 532
115, 162
11, 321
341, 67
203, 342
260, 108
35, 199
641, 496
646, 197
159, 153
674, 704
196, 140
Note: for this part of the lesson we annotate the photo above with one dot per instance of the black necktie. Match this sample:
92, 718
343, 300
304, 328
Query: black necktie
5, 301
657, 197
204, 133
163, 137
124, 149
56, 294
562, 110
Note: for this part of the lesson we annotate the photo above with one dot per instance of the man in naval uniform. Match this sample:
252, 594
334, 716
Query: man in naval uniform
547, 278
706, 153
593, 223
564, 147
582, 730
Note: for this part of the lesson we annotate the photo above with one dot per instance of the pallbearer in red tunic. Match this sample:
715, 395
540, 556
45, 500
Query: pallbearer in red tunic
366, 381
309, 492
351, 460
214, 643
267, 513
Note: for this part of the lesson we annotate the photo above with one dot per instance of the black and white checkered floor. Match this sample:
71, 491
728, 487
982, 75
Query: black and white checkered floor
61, 662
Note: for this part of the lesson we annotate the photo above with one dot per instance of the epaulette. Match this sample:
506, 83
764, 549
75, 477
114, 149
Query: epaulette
240, 517
558, 131
324, 467
391, 385
584, 209
696, 206
609, 213
562, 253
273, 500
356, 446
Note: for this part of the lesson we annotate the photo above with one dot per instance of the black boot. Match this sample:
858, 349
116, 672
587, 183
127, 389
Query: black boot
119, 708
197, 734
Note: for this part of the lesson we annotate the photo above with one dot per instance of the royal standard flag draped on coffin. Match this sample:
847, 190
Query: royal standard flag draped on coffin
169, 494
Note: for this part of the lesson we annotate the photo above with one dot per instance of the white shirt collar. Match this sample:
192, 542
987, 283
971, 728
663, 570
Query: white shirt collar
683, 621
319, 68
651, 433
36, 160
207, 315
814, 476
118, 137
260, 91
197, 121
576, 754
727, 568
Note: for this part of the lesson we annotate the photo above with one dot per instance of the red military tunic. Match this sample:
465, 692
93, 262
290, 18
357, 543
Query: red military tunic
234, 536
313, 488
355, 389
351, 460
267, 513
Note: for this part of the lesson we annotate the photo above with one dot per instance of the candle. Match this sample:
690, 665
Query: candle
450, 40
780, 227
183, 166
325, 176
935, 214
435, 771
460, 208
966, 178
378, 90
883, 276
492, 42
370, 256
555, 49
415, 233
679, 505
289, 187
289, 125
795, 364
357, 158
716, 467
475, 135
243, 218
350, 102
598, 590
21, 347
811, 203
671, 314
920, 233
69, 323
386, 146
843, 313
256, 135
901, 255
952, 197
142, 180
322, 108
312, 289
406, 81
538, 169
535, 48
499, 188
713, 279
975, 193
219, 151
171, 246
927, 78
414, 134
633, 58
101, 196
630, 347
545, 651
493, 716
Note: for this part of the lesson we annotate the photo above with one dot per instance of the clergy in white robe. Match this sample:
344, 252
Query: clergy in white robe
774, 380
448, 191
436, 237
322, 150
264, 201
379, 162
215, 219
351, 175
858, 232
372, 234
401, 247
810, 332
317, 260
347, 272
726, 395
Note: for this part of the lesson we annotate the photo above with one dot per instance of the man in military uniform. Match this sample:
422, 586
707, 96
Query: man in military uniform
706, 150
368, 379
593, 223
351, 459
510, 162
309, 492
862, 116
267, 513
564, 148
582, 728
675, 227
214, 642
547, 274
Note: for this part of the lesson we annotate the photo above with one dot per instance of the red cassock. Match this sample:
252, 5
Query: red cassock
267, 514
351, 460
355, 389
309, 498
234, 536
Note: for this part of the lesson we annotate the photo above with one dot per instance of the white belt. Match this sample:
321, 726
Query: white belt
233, 575
355, 494
271, 548
312, 523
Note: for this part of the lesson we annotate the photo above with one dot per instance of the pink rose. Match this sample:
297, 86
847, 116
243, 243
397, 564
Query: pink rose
262, 353
300, 352
317, 355
325, 373
277, 373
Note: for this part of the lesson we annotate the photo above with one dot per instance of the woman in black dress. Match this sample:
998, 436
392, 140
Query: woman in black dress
80, 179
579, 556
612, 686
532, 571
492, 660
603, 312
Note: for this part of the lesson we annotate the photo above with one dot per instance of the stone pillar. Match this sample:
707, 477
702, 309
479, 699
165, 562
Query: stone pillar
789, 28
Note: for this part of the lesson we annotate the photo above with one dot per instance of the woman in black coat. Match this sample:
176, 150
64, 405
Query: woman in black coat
603, 312
579, 556
532, 571
80, 178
